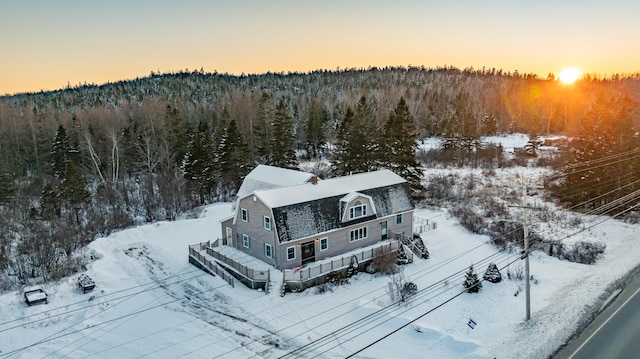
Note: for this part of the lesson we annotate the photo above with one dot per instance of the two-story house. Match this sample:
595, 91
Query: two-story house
291, 225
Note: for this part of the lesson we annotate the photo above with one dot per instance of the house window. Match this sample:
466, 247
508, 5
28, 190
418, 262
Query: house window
244, 214
268, 250
324, 243
357, 234
399, 218
266, 222
359, 209
246, 241
291, 253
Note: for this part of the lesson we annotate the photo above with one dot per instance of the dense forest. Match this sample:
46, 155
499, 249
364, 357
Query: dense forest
83, 161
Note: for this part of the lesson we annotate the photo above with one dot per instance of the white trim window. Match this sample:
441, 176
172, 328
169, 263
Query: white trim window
266, 222
324, 244
399, 218
291, 253
357, 234
244, 214
268, 250
358, 210
246, 241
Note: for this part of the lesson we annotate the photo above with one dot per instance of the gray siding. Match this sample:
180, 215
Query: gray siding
307, 222
339, 239
254, 229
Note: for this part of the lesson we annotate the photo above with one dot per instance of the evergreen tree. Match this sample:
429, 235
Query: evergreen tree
50, 203
198, 166
314, 130
281, 141
260, 131
177, 133
471, 281
60, 152
366, 138
342, 161
73, 188
607, 130
232, 158
358, 144
492, 274
399, 148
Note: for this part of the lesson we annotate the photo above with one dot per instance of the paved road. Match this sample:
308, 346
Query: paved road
615, 333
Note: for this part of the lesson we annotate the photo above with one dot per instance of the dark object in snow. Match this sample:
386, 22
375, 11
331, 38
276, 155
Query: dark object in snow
471, 282
85, 283
401, 255
35, 295
492, 274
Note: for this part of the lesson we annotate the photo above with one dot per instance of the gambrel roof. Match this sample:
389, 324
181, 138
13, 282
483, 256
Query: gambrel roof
309, 209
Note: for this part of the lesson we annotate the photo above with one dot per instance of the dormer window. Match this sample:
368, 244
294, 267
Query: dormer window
358, 210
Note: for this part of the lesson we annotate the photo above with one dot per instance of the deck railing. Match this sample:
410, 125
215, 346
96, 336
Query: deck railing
209, 265
314, 270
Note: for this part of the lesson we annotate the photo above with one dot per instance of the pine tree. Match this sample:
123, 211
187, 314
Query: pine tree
607, 129
177, 133
281, 141
358, 146
198, 166
399, 148
260, 131
232, 158
342, 161
60, 151
73, 188
471, 282
314, 130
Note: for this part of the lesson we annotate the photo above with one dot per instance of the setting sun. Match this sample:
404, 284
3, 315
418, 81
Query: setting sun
569, 75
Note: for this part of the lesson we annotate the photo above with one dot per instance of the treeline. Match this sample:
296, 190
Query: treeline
83, 161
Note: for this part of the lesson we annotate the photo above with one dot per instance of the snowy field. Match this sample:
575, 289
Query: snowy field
149, 302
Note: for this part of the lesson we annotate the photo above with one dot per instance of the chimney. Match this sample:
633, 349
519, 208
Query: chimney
314, 179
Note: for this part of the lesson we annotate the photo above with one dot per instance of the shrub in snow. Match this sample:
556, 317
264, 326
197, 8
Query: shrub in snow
515, 273
492, 274
337, 278
585, 252
384, 260
399, 289
408, 289
471, 281
469, 219
401, 256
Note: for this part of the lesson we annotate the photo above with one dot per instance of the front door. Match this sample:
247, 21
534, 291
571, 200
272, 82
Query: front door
229, 236
308, 252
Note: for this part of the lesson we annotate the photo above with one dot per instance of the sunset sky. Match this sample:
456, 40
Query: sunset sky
47, 45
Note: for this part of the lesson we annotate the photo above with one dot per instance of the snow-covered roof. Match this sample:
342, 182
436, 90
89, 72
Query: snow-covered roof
265, 177
305, 210
283, 196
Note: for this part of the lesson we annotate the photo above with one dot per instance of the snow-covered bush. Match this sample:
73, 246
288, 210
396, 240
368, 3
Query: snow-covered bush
492, 274
401, 255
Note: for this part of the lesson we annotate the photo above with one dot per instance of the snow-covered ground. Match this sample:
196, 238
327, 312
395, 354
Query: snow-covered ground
149, 302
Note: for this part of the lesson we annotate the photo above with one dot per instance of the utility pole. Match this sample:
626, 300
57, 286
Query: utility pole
527, 282
525, 254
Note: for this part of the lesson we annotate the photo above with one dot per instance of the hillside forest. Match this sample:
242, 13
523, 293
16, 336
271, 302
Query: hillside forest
81, 162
